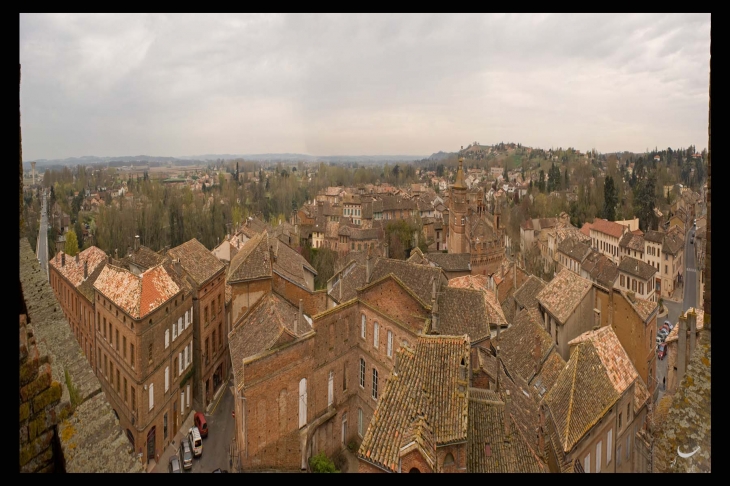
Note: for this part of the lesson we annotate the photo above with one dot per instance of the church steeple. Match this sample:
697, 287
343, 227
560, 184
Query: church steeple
459, 184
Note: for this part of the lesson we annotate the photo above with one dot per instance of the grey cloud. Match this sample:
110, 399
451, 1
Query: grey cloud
359, 84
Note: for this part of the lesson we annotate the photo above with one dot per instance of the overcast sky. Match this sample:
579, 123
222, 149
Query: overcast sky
177, 85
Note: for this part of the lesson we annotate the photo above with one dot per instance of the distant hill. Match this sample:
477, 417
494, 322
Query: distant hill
441, 155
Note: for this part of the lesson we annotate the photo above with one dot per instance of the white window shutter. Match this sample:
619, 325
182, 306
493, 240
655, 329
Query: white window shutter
167, 338
390, 343
174, 332
180, 363
191, 317
167, 378
185, 355
180, 325
187, 390
152, 395
182, 401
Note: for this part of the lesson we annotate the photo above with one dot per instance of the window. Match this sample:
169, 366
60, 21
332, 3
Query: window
167, 338
362, 326
622, 280
111, 372
598, 457
134, 398
220, 334
149, 354
375, 384
131, 354
362, 372
167, 378
344, 376
376, 334
124, 347
152, 395
125, 390
110, 332
331, 388
609, 445
205, 315
207, 354
628, 446
105, 328
587, 463
390, 344
620, 416
641, 288
212, 310
174, 332
180, 364
220, 307
618, 456
164, 425
117, 340
105, 367
359, 422
302, 402
187, 396
180, 327
449, 459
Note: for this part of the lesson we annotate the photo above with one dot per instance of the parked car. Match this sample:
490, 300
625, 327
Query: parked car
661, 350
174, 464
663, 333
201, 424
186, 453
692, 241
669, 324
196, 442
665, 327
219, 470
659, 339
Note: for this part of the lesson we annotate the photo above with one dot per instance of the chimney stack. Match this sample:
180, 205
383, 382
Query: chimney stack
86, 269
63, 259
507, 407
77, 258
692, 321
299, 317
136, 242
682, 348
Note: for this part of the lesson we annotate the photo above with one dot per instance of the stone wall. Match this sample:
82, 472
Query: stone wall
66, 423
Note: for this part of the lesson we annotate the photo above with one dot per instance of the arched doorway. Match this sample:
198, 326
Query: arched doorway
414, 470
151, 444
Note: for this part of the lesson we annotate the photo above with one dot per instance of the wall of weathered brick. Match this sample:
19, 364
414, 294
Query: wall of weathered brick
395, 301
245, 294
61, 400
313, 302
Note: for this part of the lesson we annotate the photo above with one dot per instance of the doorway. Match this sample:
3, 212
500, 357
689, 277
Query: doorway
151, 444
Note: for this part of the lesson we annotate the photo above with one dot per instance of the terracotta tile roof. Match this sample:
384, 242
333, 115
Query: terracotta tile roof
417, 257
364, 234
425, 401
72, 270
451, 262
508, 308
463, 311
251, 261
601, 269
269, 323
518, 346
608, 227
137, 295
673, 243
563, 294
526, 296
574, 248
418, 278
548, 375
494, 313
489, 450
654, 236
351, 279
87, 286
289, 264
197, 261
586, 229
145, 258
632, 242
687, 426
487, 362
636, 268
644, 308
616, 367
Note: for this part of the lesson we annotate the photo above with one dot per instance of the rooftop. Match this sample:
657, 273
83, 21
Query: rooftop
636, 268
197, 261
526, 296
451, 262
425, 401
74, 270
563, 294
610, 228
632, 241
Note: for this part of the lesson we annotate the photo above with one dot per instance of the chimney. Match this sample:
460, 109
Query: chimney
77, 259
507, 408
136, 242
682, 348
86, 269
176, 264
63, 259
692, 321
299, 318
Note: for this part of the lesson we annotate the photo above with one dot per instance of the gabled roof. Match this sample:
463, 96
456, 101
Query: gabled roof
145, 258
289, 264
489, 449
673, 243
463, 311
586, 229
493, 313
137, 295
636, 268
351, 279
425, 401
526, 296
631, 241
72, 270
608, 227
574, 248
601, 269
654, 236
271, 321
563, 294
451, 262
418, 278
644, 308
197, 261
251, 261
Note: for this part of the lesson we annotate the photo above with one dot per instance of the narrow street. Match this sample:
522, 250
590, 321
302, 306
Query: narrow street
221, 426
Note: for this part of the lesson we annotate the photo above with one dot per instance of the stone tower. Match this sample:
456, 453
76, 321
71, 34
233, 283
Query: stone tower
457, 213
